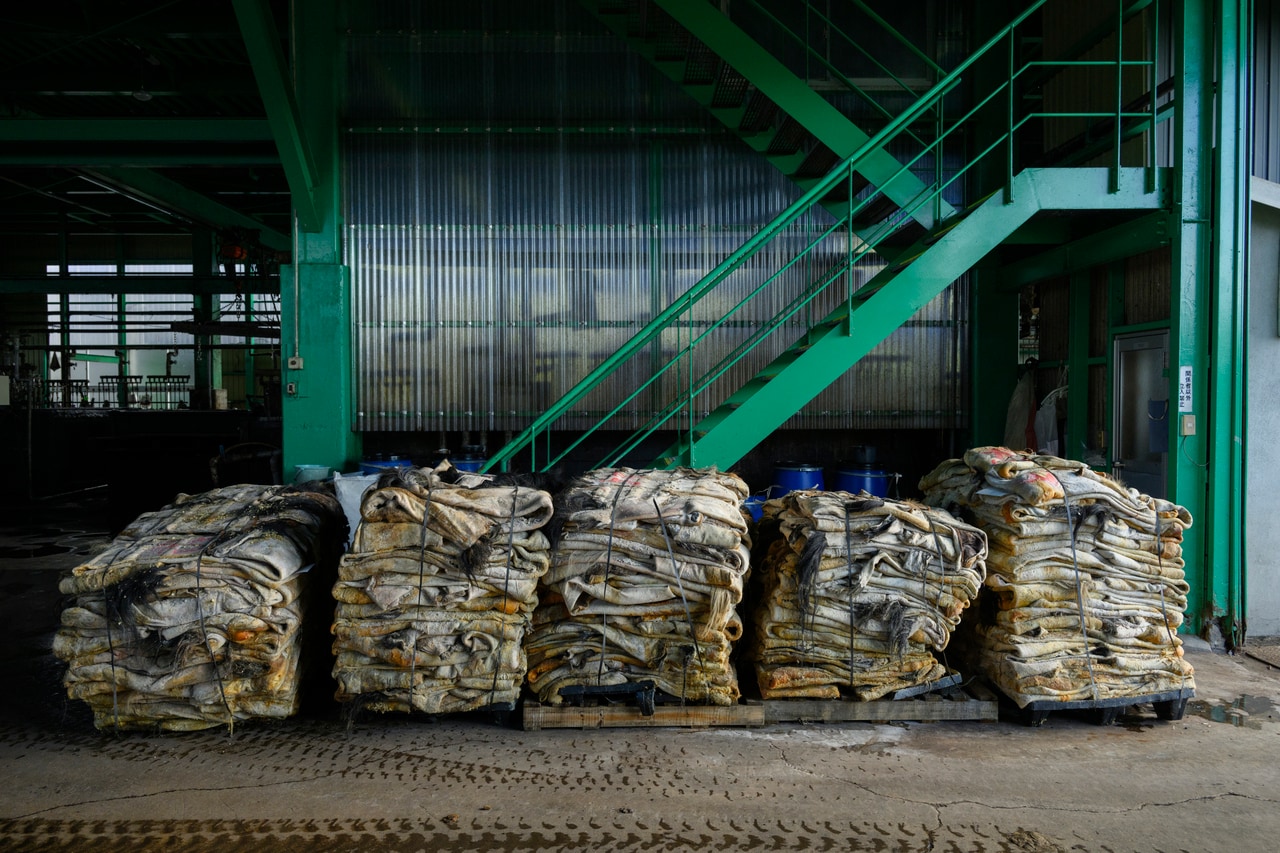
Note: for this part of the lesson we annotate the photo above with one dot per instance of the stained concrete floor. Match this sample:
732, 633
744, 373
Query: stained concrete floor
1210, 781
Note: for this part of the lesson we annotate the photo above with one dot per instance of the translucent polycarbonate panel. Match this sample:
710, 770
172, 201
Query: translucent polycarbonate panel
492, 272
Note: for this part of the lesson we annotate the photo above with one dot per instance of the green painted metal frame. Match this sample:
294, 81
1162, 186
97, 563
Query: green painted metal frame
1070, 195
315, 291
739, 425
278, 95
1228, 263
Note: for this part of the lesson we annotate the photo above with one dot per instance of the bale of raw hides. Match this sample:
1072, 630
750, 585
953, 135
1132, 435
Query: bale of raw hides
436, 594
646, 574
191, 617
856, 590
1085, 588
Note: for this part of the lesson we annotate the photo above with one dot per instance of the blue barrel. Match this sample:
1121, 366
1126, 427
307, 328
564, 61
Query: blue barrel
868, 480
379, 466
791, 476
755, 506
469, 463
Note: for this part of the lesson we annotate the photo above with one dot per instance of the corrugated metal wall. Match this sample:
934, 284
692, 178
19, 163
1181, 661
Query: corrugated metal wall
510, 224
1266, 90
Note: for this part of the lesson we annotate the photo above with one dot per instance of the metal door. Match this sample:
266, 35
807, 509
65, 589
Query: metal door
1141, 411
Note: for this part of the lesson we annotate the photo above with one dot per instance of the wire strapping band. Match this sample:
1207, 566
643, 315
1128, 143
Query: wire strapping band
506, 585
1173, 643
217, 674
608, 565
422, 565
848, 557
1075, 564
675, 570
942, 582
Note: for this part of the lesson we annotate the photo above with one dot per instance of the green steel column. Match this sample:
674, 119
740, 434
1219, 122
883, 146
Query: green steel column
993, 311
993, 342
1075, 441
315, 291
1190, 313
1227, 356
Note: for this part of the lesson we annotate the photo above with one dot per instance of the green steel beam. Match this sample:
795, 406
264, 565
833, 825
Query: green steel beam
1130, 238
137, 284
797, 100
1190, 313
840, 340
148, 130
278, 96
169, 195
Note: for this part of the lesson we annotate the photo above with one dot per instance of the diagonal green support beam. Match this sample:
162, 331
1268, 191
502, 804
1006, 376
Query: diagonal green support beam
795, 98
278, 96
841, 339
169, 195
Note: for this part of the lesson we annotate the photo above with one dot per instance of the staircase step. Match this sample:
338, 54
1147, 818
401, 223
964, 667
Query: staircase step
759, 113
819, 161
789, 138
730, 88
879, 209
701, 65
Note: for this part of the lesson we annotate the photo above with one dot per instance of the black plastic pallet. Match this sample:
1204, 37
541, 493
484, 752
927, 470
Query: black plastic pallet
1169, 705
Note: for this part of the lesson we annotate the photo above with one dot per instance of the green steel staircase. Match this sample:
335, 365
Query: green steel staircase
775, 111
808, 268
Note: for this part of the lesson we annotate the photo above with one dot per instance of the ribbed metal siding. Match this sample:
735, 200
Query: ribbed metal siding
1266, 90
492, 273
512, 221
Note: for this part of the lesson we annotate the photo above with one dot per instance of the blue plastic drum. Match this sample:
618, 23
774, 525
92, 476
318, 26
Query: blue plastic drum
792, 476
469, 463
868, 480
381, 466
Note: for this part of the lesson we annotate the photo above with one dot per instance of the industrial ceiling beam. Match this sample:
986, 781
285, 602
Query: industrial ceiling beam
139, 284
278, 96
151, 188
88, 130
138, 158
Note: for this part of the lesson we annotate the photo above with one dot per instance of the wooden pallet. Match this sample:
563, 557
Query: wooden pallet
973, 702
538, 716
1169, 705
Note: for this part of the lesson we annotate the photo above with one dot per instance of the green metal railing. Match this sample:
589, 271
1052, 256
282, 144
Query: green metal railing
820, 265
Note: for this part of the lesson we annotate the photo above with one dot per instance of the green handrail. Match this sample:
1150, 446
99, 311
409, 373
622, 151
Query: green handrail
680, 311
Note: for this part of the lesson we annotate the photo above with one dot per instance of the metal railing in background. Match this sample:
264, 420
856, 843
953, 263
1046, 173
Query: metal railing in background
680, 338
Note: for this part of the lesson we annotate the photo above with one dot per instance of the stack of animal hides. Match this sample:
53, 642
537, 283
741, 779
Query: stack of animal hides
436, 594
191, 617
856, 590
1085, 590
645, 579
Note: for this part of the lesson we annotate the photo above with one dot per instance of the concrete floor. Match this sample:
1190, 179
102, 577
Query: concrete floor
1208, 782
